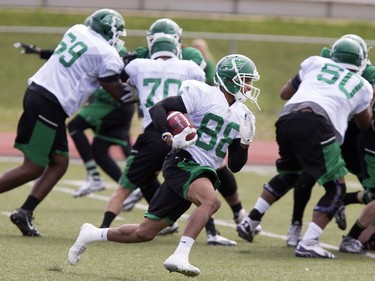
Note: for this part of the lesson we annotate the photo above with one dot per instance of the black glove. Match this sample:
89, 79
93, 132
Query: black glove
26, 49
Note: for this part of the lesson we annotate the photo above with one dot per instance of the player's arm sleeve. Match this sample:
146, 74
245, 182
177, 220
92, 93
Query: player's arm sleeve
109, 79
237, 156
159, 111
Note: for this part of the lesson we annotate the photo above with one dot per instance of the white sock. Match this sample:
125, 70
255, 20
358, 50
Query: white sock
184, 247
103, 234
313, 232
98, 234
261, 205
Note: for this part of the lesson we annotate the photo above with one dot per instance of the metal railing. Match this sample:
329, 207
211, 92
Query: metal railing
350, 9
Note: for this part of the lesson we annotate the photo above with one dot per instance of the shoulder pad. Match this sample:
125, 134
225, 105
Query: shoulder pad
325, 52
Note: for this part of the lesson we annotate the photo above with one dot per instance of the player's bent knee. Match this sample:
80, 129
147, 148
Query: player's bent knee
279, 185
144, 235
213, 205
216, 205
330, 201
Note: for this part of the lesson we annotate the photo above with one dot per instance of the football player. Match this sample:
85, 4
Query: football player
223, 123
145, 163
84, 60
309, 132
228, 188
355, 151
109, 120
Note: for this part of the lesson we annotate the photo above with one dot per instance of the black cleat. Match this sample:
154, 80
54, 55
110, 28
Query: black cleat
22, 219
341, 217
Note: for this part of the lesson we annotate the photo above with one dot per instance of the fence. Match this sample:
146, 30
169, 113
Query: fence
346, 9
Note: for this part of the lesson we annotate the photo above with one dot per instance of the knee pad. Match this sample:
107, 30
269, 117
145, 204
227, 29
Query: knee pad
331, 200
279, 185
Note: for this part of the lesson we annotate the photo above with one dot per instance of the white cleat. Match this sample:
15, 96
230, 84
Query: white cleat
312, 249
240, 216
246, 229
294, 234
258, 229
351, 245
173, 228
176, 264
133, 198
79, 247
218, 240
89, 186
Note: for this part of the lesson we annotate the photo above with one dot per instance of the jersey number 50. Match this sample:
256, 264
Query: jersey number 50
331, 73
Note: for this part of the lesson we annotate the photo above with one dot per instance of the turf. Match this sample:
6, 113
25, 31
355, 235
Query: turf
60, 215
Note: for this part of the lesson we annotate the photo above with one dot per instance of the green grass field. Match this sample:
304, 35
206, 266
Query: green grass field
60, 215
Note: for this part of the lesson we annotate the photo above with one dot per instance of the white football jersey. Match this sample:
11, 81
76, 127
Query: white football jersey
340, 92
158, 79
72, 72
217, 123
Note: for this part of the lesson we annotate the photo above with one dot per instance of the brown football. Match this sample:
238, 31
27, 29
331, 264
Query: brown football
177, 122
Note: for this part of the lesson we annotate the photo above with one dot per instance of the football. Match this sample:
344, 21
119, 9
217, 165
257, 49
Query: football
177, 122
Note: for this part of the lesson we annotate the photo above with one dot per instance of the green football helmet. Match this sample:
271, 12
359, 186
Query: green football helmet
109, 24
360, 41
164, 45
348, 53
363, 44
233, 73
164, 26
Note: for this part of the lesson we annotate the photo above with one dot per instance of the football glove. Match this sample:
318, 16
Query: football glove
26, 49
247, 128
179, 140
129, 95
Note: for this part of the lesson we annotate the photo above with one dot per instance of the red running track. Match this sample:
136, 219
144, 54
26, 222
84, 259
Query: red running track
260, 152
